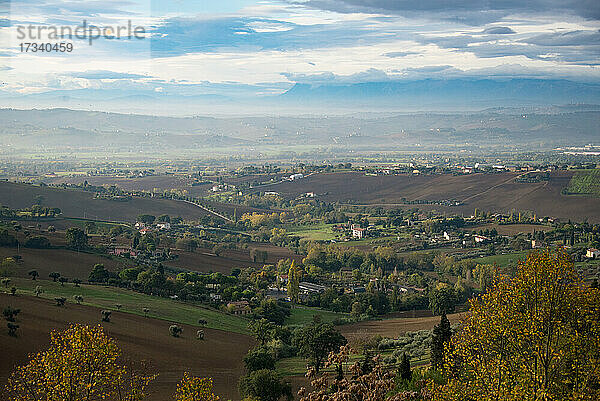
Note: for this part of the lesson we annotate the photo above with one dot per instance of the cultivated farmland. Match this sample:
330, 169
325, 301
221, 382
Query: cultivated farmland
490, 192
141, 339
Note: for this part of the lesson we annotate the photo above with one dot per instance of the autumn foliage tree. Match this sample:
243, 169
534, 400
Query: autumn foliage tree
82, 364
195, 389
532, 337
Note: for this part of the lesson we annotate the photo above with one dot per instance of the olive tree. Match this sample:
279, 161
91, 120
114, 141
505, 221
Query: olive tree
106, 315
175, 330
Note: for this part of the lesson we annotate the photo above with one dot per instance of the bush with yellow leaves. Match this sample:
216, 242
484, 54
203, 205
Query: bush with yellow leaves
82, 364
195, 389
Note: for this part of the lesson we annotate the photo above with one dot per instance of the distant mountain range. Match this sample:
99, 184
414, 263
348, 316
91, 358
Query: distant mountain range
52, 131
446, 94
396, 96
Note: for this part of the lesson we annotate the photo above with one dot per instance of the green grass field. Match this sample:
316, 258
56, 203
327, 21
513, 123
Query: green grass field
134, 302
303, 315
318, 232
100, 224
503, 260
586, 182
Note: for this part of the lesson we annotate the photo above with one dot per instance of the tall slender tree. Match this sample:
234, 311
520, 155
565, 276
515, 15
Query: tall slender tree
441, 335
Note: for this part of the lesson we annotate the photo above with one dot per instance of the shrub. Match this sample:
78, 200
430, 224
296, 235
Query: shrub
37, 242
175, 330
195, 389
78, 299
7, 239
10, 313
60, 301
259, 358
99, 274
264, 385
106, 315
12, 329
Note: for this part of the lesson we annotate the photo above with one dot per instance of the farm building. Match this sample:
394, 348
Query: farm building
480, 238
592, 253
307, 288
358, 232
239, 308
122, 251
164, 226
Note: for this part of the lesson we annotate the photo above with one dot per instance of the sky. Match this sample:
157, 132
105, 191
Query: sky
242, 49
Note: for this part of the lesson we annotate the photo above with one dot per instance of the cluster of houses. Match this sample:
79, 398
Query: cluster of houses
222, 187
355, 230
144, 228
456, 168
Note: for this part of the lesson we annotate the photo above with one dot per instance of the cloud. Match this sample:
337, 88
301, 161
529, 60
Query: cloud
269, 45
370, 75
179, 35
81, 8
580, 47
468, 11
566, 38
429, 68
104, 74
498, 30
399, 54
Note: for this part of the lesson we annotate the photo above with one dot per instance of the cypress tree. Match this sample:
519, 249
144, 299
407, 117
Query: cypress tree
404, 370
441, 335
